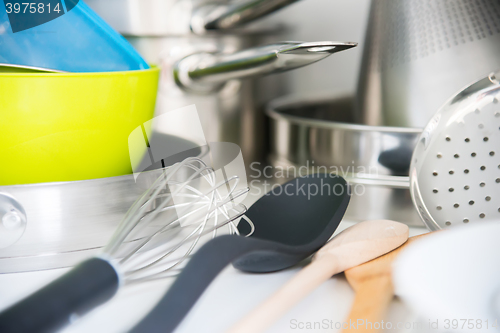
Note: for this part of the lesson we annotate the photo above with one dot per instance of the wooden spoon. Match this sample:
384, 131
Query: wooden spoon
353, 246
372, 282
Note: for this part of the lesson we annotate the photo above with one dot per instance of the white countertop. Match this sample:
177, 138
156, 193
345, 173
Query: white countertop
229, 298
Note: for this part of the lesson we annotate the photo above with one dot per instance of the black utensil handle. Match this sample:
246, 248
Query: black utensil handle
200, 271
88, 285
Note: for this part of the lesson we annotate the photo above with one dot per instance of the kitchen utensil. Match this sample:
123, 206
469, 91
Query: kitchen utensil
418, 53
76, 41
452, 277
455, 170
68, 222
136, 252
71, 126
290, 224
372, 284
318, 133
358, 244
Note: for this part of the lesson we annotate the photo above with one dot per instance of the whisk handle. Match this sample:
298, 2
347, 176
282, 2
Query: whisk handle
86, 286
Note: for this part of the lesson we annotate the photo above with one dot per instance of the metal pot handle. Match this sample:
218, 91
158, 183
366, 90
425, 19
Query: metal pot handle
228, 16
207, 72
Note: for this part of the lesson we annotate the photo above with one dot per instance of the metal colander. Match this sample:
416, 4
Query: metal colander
455, 171
417, 53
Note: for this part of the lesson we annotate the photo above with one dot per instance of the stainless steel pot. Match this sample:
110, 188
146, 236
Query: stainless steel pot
319, 135
181, 17
209, 69
418, 53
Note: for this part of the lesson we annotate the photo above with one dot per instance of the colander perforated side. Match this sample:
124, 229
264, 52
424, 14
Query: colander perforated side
408, 30
459, 174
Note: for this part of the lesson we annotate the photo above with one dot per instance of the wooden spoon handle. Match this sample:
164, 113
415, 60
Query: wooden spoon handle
287, 296
372, 299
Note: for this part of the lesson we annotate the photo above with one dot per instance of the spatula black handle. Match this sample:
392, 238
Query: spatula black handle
88, 285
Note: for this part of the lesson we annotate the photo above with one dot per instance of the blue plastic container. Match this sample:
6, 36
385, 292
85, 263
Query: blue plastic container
62, 35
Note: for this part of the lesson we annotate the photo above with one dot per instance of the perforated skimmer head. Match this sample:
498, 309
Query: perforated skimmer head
455, 169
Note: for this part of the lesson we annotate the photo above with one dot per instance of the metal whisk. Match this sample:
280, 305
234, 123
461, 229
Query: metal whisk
185, 201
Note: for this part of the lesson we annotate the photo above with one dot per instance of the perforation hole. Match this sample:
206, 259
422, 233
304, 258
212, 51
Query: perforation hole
456, 205
482, 215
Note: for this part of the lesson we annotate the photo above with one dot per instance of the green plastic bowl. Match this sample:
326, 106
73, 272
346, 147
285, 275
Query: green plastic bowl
70, 126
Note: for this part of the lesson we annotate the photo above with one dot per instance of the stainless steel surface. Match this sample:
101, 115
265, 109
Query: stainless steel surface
417, 53
455, 168
175, 17
146, 17
206, 72
322, 129
13, 220
318, 134
69, 221
229, 15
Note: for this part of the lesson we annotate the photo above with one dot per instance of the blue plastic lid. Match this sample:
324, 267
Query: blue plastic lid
62, 35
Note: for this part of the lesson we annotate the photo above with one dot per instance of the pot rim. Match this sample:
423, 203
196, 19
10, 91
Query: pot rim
311, 99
